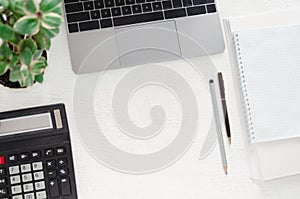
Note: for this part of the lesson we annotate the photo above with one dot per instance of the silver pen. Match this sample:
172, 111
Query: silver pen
218, 125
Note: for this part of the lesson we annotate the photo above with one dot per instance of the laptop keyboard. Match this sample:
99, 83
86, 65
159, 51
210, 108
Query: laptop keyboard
85, 15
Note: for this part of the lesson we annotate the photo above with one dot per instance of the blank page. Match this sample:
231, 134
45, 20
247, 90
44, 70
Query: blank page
270, 74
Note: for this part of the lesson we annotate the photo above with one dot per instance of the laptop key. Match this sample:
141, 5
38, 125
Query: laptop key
129, 2
126, 10
95, 14
136, 9
105, 13
199, 2
120, 2
140, 1
73, 28
140, 18
157, 6
116, 11
71, 1
196, 10
211, 8
177, 3
106, 23
187, 3
167, 5
170, 14
89, 25
74, 7
99, 4
82, 16
109, 3
88, 5
147, 7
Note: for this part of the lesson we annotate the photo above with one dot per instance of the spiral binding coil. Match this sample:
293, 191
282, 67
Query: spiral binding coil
246, 104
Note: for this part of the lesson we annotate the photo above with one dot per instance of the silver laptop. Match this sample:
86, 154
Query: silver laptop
109, 34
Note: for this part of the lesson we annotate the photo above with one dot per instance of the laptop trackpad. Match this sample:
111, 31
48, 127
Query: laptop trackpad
147, 43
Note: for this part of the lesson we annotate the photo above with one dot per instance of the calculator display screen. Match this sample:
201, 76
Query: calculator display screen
25, 124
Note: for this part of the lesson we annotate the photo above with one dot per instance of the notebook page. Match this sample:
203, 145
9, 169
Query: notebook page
271, 65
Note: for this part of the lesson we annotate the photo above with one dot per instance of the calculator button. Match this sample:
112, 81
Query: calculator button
3, 181
38, 175
15, 179
41, 195
60, 151
3, 191
36, 155
2, 171
37, 166
49, 153
27, 177
39, 185
51, 174
53, 188
29, 196
25, 168
2, 160
63, 171
62, 162
65, 186
17, 197
50, 164
16, 189
12, 158
24, 156
14, 170
28, 187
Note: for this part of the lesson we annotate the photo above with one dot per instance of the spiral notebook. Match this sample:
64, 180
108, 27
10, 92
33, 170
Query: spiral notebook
268, 62
266, 84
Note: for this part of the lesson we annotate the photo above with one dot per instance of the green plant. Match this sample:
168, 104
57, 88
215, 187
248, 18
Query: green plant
26, 29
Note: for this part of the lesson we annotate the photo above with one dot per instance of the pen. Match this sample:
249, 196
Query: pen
224, 105
218, 125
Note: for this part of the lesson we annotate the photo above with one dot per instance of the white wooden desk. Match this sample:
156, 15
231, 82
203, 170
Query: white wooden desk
189, 177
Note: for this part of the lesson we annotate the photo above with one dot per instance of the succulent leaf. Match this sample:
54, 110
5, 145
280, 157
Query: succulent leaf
6, 32
37, 55
4, 3
26, 56
39, 78
42, 41
15, 75
31, 7
49, 5
51, 20
3, 67
38, 67
5, 51
27, 25
28, 43
49, 33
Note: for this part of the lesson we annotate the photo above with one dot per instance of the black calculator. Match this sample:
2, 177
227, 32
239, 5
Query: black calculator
36, 155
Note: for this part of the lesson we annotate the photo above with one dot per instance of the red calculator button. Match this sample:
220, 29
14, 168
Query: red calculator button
2, 160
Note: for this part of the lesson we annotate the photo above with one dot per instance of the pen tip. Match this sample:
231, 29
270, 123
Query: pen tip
225, 170
229, 141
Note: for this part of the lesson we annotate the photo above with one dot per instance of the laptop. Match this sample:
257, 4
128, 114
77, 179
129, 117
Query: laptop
110, 34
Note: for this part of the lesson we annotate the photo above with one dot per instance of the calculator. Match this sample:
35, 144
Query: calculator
36, 155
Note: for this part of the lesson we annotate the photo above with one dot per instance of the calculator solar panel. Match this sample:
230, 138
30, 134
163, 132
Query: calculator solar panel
35, 154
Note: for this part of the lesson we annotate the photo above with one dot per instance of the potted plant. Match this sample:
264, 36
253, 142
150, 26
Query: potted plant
26, 30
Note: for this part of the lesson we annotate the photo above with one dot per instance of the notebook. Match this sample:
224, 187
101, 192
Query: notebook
268, 63
266, 47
